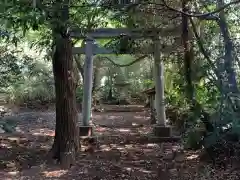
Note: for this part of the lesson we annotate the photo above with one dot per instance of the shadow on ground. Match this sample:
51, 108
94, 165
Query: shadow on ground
25, 157
120, 152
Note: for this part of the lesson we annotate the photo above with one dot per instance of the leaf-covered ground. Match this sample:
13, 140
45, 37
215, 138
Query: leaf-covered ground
121, 152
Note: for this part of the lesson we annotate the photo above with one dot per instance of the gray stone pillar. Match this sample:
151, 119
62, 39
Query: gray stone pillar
88, 81
159, 84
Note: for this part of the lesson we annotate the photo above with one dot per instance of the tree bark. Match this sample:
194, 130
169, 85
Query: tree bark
66, 142
96, 82
188, 55
228, 46
188, 58
77, 75
96, 75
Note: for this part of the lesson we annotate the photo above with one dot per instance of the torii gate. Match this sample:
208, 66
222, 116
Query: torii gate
91, 48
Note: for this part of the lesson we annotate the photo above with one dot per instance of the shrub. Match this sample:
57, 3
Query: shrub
194, 135
25, 79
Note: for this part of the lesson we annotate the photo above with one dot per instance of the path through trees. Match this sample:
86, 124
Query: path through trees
122, 151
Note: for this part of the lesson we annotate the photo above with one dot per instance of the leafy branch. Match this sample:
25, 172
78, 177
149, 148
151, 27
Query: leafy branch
204, 14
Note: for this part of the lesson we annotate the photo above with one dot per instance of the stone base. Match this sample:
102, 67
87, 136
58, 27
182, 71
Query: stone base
162, 131
123, 102
85, 131
86, 140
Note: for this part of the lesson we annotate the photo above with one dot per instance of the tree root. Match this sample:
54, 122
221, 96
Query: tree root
66, 158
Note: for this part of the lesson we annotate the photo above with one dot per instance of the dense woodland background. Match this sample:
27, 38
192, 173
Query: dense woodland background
201, 62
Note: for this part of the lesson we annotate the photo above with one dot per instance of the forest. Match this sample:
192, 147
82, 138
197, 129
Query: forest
119, 89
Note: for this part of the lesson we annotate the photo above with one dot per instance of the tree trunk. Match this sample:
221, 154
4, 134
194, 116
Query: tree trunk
66, 142
77, 75
228, 46
96, 82
96, 75
110, 84
188, 56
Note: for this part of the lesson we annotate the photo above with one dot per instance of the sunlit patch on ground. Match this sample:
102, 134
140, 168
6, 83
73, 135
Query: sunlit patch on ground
144, 170
56, 173
115, 117
5, 145
193, 156
124, 130
140, 117
145, 130
105, 148
43, 132
100, 129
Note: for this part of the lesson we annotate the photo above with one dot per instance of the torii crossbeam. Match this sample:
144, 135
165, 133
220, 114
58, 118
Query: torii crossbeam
102, 33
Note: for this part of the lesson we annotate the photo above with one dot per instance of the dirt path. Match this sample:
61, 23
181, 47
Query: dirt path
119, 153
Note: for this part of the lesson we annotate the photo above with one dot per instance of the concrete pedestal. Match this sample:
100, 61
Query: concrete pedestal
163, 134
162, 131
85, 131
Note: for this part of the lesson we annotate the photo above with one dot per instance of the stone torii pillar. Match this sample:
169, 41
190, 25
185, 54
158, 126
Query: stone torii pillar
88, 82
159, 84
85, 128
160, 129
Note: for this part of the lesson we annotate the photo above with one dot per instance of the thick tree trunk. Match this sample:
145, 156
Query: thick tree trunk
96, 75
66, 142
77, 75
188, 56
228, 46
96, 82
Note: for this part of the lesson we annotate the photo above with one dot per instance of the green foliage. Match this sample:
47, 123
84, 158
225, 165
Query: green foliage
25, 78
226, 123
10, 71
79, 94
207, 94
31, 89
